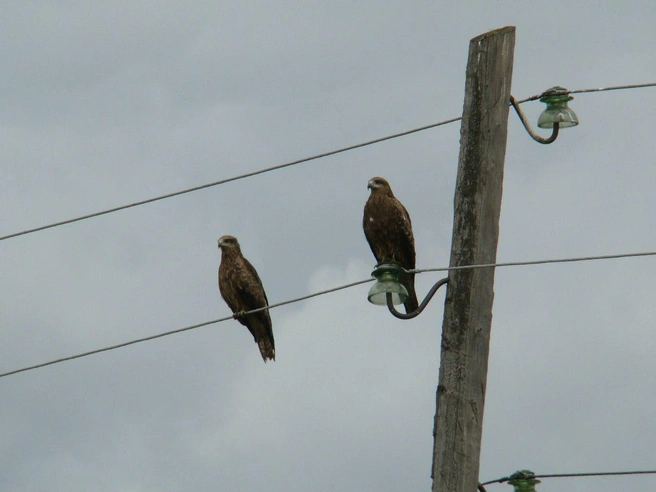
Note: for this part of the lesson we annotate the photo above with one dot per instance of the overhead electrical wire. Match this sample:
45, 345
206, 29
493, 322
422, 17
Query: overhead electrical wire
578, 475
290, 163
596, 474
600, 89
227, 180
322, 292
180, 330
538, 262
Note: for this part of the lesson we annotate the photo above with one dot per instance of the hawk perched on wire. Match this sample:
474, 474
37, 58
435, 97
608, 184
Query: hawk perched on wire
388, 230
242, 290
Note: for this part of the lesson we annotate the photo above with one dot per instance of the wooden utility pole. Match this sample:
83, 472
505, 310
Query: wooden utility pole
468, 306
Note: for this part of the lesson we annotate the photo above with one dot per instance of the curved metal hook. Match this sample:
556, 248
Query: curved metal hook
421, 307
534, 136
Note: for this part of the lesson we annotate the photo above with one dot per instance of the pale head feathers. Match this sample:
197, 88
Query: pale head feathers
228, 242
379, 185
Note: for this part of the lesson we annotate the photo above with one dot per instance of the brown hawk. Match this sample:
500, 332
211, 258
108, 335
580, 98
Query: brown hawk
388, 230
242, 290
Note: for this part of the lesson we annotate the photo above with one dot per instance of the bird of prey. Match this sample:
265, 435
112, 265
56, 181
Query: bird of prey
242, 290
388, 230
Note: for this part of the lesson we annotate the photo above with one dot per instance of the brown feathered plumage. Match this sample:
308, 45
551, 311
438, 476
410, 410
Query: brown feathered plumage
388, 230
242, 290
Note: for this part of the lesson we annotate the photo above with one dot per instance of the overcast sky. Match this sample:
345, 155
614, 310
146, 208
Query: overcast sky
109, 103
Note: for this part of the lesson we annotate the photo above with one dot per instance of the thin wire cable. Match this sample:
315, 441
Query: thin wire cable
228, 180
576, 475
597, 474
537, 262
320, 293
600, 89
291, 163
179, 330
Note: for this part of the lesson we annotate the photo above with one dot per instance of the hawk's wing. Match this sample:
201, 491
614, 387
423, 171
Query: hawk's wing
242, 289
388, 229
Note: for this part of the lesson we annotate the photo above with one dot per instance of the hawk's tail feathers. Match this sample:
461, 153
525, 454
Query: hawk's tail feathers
411, 304
267, 349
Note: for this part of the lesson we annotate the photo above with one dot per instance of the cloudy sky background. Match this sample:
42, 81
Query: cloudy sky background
106, 104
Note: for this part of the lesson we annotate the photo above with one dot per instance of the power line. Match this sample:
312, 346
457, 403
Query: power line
322, 292
597, 474
180, 330
291, 163
576, 475
228, 180
539, 262
113, 347
599, 89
